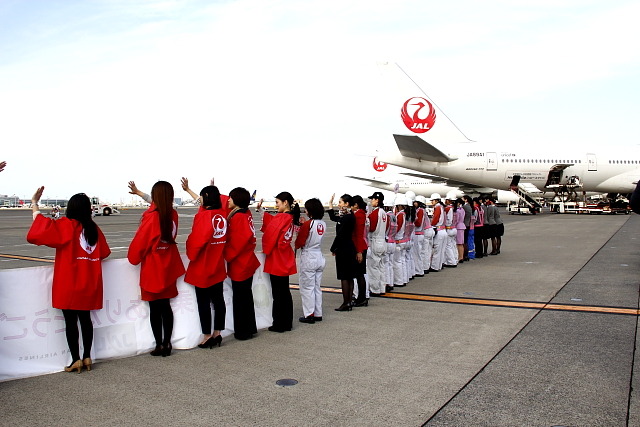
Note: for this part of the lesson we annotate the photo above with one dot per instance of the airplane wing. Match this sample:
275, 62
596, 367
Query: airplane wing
370, 181
433, 178
417, 148
443, 180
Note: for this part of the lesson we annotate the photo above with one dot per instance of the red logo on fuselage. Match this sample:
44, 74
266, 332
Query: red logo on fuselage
379, 166
412, 113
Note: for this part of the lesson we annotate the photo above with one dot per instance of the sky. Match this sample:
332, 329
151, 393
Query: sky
286, 95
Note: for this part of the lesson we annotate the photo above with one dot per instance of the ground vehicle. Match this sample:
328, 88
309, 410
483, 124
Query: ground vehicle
102, 208
597, 208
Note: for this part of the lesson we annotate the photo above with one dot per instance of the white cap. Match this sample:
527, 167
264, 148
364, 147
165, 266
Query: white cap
421, 199
400, 199
411, 196
435, 196
451, 195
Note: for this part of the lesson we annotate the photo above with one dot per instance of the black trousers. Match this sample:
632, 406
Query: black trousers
161, 317
244, 315
71, 318
282, 311
205, 296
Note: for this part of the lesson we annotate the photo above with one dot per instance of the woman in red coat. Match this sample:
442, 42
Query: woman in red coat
358, 207
77, 272
280, 261
242, 262
206, 270
154, 246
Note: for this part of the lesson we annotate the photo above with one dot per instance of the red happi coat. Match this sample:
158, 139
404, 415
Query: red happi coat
276, 244
358, 236
205, 247
77, 272
161, 263
239, 251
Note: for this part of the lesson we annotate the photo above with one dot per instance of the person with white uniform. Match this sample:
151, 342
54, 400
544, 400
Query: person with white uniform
312, 262
451, 251
392, 229
409, 231
421, 223
399, 260
440, 238
377, 245
429, 234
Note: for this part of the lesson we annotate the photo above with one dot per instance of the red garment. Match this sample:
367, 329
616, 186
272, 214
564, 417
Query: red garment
373, 220
224, 201
419, 217
358, 231
161, 263
399, 220
436, 215
205, 247
77, 271
239, 251
276, 244
303, 234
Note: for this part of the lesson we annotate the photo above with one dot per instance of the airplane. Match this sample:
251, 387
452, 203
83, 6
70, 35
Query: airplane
425, 184
429, 142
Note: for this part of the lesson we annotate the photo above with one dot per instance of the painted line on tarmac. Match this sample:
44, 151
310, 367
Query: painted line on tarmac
25, 258
502, 303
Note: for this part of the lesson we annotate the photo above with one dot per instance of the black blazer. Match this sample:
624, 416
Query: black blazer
343, 241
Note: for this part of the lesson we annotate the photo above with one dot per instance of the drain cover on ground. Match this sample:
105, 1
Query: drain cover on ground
287, 382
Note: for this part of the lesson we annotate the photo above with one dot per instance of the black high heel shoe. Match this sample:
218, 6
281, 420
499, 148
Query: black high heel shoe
211, 342
158, 351
363, 303
166, 350
344, 307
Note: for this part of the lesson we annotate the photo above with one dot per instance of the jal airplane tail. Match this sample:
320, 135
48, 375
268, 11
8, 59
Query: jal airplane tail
420, 128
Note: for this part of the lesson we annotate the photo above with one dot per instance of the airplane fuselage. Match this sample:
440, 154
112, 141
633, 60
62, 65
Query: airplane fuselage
612, 172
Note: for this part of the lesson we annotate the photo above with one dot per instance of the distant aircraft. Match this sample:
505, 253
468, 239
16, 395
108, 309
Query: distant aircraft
429, 142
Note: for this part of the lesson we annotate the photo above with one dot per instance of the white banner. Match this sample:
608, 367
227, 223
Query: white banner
32, 334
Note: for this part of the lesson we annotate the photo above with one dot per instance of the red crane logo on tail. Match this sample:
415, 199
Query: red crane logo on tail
378, 166
411, 114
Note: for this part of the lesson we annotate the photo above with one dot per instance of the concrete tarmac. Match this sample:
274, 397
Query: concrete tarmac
535, 337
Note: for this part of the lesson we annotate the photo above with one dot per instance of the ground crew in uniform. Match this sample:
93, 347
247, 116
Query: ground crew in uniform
418, 248
429, 234
399, 260
378, 222
459, 217
440, 238
392, 229
410, 232
312, 262
451, 251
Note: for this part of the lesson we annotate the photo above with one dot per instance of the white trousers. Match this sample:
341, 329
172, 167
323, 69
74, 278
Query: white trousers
439, 246
427, 249
418, 250
388, 263
409, 265
375, 265
311, 266
451, 251
400, 265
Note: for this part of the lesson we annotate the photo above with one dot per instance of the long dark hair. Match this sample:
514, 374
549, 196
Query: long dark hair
285, 196
410, 212
79, 208
211, 197
162, 196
